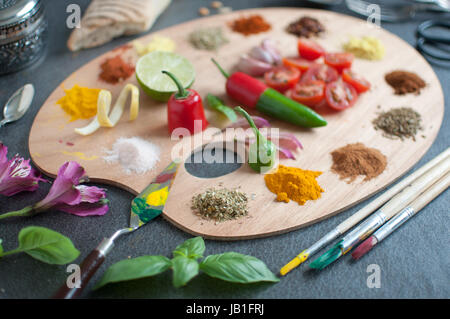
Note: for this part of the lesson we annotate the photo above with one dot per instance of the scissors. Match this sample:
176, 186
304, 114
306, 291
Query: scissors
428, 37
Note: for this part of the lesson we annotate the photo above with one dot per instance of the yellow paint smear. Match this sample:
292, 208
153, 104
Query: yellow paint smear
80, 155
158, 198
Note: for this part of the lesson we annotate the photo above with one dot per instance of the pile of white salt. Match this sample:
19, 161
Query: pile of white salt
134, 154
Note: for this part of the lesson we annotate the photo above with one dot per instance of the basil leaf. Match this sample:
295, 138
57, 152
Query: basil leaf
217, 104
46, 245
184, 269
135, 268
1, 247
235, 267
191, 248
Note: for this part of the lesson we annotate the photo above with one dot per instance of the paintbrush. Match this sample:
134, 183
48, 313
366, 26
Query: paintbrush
399, 219
361, 214
386, 212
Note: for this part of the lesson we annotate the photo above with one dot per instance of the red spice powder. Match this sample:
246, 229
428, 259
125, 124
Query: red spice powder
250, 25
115, 69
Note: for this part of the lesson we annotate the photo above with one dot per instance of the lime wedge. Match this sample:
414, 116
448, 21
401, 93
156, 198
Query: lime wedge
158, 85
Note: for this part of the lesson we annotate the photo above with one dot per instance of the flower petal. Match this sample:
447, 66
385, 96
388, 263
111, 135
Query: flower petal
84, 209
63, 190
91, 194
16, 175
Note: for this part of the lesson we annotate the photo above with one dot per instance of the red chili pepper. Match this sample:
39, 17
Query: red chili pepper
245, 88
255, 94
184, 108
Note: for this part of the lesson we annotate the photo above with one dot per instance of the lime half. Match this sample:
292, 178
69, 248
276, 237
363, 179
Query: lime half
158, 85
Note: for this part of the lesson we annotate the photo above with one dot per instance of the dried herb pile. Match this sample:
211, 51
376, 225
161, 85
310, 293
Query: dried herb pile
399, 123
220, 204
208, 38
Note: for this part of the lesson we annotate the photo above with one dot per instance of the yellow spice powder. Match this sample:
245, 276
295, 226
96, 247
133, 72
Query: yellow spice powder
80, 102
369, 48
291, 183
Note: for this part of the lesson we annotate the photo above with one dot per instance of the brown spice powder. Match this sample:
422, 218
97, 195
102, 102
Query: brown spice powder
305, 27
405, 82
354, 160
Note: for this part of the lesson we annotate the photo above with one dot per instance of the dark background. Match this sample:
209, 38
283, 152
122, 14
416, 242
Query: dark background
414, 262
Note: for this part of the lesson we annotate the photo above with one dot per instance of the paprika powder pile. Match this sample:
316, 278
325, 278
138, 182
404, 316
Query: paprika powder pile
292, 183
115, 70
250, 25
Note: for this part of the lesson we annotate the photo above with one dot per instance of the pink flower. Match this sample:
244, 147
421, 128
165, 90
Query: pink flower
93, 202
16, 175
68, 196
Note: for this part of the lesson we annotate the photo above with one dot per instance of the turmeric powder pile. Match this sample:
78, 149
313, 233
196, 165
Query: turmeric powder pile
79, 102
291, 183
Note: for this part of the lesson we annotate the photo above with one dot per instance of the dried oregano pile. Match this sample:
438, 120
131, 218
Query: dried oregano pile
399, 123
220, 204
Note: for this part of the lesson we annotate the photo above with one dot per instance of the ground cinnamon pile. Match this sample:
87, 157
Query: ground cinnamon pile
115, 69
354, 160
250, 25
404, 82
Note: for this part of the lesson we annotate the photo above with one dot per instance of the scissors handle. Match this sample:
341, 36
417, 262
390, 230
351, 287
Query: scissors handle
424, 37
433, 23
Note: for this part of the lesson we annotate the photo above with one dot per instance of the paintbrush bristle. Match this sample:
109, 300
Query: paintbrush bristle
365, 246
327, 258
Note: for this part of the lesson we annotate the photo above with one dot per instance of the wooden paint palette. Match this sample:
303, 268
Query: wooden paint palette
53, 140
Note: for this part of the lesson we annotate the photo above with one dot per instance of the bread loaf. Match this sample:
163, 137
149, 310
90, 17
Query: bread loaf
108, 19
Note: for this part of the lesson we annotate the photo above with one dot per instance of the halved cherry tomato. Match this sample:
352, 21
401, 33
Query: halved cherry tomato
358, 82
298, 63
309, 93
340, 95
309, 49
320, 72
282, 78
339, 61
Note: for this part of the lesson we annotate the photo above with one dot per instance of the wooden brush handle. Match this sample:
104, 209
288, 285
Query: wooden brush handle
88, 268
401, 200
431, 193
387, 195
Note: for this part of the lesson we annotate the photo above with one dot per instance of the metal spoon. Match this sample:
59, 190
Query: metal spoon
18, 104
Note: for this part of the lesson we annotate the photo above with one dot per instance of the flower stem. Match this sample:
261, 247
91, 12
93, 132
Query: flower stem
27, 211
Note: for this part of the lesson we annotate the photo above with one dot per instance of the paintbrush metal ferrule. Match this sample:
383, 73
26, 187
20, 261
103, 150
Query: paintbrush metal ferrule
362, 231
325, 240
394, 223
304, 255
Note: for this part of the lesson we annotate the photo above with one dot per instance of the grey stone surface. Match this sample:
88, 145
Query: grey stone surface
414, 262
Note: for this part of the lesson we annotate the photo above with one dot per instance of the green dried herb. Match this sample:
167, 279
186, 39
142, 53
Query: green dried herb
220, 204
399, 123
208, 38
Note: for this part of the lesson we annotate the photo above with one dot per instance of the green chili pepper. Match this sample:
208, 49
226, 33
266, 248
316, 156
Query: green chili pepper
261, 154
217, 104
